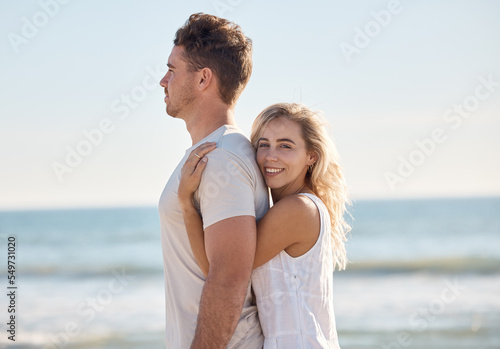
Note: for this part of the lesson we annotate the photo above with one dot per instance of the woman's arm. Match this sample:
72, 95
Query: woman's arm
292, 224
190, 180
196, 236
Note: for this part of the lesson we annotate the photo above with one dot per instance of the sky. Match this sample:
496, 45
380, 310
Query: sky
411, 90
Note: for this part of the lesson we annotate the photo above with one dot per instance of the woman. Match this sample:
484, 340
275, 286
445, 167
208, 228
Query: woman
301, 238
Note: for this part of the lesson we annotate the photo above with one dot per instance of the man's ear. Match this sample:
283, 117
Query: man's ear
206, 77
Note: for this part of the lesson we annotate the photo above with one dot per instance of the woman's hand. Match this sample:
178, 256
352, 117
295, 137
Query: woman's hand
190, 181
191, 172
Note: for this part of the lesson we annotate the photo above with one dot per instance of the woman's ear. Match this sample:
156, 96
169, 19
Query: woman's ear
313, 157
205, 78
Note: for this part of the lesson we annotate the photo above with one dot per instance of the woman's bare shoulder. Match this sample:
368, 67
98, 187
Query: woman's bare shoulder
297, 209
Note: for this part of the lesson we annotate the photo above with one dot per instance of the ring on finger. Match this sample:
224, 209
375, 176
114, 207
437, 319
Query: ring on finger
199, 157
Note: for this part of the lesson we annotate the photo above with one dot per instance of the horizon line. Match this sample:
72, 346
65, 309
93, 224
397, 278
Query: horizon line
136, 206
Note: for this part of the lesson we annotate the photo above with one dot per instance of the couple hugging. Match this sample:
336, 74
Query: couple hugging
239, 274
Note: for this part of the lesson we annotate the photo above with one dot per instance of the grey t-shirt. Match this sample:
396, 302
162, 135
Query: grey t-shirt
231, 186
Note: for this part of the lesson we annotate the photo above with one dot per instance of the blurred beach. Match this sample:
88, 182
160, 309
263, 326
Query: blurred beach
423, 274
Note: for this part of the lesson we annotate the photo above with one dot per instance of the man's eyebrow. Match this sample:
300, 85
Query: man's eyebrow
170, 65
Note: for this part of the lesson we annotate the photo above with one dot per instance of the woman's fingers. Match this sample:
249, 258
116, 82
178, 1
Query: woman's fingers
196, 155
202, 150
192, 170
199, 169
199, 154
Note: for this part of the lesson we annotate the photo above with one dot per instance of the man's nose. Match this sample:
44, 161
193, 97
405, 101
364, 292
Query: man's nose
164, 81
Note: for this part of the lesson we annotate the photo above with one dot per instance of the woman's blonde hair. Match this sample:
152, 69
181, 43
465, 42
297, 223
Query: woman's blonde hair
325, 178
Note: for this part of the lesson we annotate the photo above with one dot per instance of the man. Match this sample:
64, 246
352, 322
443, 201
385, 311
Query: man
209, 67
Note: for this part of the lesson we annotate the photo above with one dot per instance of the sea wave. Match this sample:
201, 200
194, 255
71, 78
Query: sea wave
475, 265
82, 272
445, 265
110, 338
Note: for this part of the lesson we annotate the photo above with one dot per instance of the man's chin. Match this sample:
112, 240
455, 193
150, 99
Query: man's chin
171, 113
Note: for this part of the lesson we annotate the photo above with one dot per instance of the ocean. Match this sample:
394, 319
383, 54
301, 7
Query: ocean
422, 274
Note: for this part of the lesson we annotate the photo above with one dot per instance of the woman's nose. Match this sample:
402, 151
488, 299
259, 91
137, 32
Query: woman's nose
271, 155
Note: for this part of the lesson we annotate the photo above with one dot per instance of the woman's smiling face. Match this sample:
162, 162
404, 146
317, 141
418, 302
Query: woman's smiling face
282, 156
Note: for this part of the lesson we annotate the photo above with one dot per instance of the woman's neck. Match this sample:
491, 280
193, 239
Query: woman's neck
280, 193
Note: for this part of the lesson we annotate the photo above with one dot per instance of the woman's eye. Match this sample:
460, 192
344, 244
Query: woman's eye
286, 146
262, 145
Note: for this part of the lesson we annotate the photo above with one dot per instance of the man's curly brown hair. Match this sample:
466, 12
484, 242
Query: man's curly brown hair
220, 45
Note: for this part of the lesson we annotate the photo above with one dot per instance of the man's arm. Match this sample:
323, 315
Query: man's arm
230, 246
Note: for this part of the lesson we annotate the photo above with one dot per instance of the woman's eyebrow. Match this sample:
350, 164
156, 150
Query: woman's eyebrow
285, 140
278, 140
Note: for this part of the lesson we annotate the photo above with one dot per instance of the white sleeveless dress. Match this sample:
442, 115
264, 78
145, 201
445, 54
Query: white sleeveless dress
294, 295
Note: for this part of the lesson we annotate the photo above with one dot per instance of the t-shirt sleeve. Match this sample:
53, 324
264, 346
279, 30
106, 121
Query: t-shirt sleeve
226, 189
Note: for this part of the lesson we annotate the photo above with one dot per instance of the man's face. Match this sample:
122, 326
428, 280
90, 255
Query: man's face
179, 85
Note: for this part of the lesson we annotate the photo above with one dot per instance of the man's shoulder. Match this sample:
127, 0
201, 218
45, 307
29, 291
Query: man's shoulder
235, 144
232, 138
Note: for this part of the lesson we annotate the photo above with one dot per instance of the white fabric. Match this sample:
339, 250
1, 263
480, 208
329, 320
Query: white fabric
294, 295
232, 185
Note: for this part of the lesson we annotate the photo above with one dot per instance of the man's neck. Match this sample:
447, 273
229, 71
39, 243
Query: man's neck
207, 121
